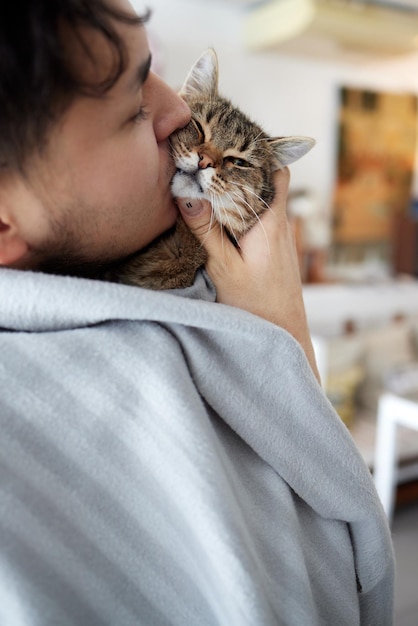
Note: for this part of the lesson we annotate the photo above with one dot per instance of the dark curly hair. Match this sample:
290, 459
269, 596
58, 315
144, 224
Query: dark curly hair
36, 81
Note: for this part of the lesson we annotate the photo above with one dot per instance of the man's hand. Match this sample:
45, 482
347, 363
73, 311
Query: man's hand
262, 275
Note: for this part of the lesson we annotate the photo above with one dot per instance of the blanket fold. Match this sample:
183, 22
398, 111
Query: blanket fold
169, 460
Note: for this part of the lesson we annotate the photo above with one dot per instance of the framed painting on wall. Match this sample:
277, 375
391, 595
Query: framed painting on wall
375, 167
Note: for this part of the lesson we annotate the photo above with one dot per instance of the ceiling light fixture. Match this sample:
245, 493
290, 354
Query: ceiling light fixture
357, 24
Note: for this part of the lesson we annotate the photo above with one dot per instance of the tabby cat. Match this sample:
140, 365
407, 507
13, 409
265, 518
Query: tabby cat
222, 156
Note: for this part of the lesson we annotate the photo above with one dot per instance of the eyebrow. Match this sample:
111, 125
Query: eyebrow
141, 74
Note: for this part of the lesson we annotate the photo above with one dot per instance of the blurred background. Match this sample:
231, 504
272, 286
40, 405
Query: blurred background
346, 73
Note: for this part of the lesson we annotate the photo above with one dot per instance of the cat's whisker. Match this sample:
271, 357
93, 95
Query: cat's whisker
257, 196
253, 193
228, 219
220, 211
238, 210
259, 221
259, 137
212, 217
216, 203
252, 210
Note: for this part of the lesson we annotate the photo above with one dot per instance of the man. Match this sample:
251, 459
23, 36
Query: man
164, 459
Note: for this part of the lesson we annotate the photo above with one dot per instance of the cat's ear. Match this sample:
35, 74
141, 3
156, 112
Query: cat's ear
287, 150
202, 80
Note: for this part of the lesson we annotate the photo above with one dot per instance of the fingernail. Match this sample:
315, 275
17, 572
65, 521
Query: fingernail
191, 207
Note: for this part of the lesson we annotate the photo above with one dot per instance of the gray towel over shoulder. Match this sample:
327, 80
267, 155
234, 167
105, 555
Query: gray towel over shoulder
166, 460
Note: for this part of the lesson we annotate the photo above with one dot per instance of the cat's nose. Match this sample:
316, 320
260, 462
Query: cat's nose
205, 161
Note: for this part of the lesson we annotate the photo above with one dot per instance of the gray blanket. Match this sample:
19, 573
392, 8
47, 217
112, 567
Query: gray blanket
169, 460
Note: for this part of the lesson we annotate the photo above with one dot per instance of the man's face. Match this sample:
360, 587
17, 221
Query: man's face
101, 190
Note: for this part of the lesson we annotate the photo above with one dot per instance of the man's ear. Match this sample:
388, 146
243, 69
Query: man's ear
12, 245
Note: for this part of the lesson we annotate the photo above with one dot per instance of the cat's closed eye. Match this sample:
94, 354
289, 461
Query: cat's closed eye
236, 161
199, 128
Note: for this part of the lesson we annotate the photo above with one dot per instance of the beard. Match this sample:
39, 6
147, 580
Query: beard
71, 264
61, 253
86, 239
65, 251
77, 233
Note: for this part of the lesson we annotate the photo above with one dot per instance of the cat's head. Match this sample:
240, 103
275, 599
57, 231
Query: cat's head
223, 156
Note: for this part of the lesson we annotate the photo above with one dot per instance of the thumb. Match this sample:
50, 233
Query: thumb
198, 217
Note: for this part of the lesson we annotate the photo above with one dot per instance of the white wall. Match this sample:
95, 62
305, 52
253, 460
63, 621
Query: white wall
284, 93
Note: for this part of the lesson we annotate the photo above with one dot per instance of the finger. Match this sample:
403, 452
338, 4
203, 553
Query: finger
198, 216
281, 186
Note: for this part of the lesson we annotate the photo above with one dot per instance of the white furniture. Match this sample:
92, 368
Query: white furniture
330, 306
394, 411
372, 308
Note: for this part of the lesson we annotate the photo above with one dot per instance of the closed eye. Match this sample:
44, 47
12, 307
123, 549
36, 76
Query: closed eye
199, 129
141, 114
236, 161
